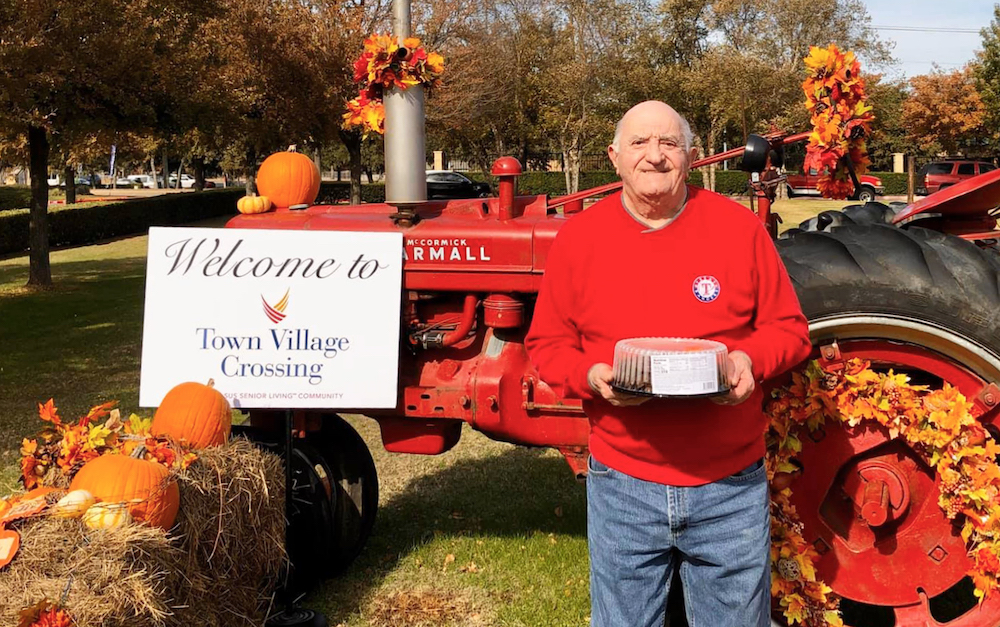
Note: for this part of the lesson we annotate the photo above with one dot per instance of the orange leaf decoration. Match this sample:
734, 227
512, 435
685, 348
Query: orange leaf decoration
49, 412
60, 449
45, 614
937, 424
841, 119
385, 64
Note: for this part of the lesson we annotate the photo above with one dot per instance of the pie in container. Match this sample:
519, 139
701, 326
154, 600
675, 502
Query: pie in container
669, 367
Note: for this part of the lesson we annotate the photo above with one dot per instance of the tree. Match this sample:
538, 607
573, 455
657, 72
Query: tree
734, 67
589, 41
70, 68
889, 132
987, 72
945, 111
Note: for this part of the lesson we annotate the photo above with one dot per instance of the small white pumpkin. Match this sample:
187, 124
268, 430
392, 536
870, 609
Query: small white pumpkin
73, 505
106, 515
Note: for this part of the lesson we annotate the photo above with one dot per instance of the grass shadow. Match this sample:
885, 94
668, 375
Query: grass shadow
521, 493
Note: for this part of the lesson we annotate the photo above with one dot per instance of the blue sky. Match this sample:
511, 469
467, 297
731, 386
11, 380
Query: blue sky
916, 50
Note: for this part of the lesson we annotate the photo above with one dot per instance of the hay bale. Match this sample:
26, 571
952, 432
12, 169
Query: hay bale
218, 566
114, 577
232, 521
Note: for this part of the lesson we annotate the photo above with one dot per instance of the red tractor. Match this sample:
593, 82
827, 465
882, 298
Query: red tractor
912, 288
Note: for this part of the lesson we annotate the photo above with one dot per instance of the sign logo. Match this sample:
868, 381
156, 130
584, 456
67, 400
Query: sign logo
706, 288
277, 312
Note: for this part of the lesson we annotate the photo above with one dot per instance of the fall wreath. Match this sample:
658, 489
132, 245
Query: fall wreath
937, 424
386, 63
841, 119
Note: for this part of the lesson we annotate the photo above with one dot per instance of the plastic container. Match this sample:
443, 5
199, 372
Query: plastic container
669, 367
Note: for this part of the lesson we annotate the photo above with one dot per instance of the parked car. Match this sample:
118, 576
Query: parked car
940, 174
806, 185
445, 184
145, 180
56, 180
187, 181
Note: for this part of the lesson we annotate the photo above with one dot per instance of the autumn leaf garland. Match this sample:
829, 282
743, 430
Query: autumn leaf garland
383, 64
61, 448
841, 119
937, 424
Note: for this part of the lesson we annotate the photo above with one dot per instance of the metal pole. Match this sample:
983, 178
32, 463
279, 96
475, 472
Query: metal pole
405, 161
910, 179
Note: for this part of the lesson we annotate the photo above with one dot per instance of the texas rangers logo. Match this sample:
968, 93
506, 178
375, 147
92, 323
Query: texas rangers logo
706, 288
276, 313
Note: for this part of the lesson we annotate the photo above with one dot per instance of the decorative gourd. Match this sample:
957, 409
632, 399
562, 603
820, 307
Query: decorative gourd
288, 179
73, 505
253, 204
150, 494
106, 515
194, 413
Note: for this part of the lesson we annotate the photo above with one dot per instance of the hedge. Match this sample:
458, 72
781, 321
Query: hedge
895, 183
94, 222
15, 197
727, 182
554, 183
333, 193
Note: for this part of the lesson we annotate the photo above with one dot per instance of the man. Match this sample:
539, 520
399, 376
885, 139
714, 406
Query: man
672, 483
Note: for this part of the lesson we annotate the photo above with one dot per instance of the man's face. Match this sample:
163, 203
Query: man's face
651, 157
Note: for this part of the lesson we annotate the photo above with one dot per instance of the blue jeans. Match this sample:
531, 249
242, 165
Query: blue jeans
717, 534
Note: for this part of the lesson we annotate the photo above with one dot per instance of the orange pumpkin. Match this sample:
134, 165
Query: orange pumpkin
151, 495
194, 413
253, 204
288, 179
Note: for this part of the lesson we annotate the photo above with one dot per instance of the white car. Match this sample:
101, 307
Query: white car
187, 181
143, 179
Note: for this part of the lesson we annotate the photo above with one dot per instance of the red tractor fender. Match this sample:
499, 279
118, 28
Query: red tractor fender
962, 209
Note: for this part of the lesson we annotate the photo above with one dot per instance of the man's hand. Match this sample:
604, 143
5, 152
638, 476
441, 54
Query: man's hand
600, 376
739, 371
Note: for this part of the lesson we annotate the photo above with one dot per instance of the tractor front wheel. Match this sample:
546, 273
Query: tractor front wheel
914, 301
354, 488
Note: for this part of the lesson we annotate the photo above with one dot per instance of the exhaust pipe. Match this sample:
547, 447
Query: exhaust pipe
405, 157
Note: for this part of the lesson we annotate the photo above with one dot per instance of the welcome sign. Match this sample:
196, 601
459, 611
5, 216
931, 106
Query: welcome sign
275, 318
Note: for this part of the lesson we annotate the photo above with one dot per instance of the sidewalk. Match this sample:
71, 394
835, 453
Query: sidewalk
142, 192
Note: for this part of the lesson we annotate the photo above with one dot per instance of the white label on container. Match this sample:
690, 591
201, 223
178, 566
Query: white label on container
684, 374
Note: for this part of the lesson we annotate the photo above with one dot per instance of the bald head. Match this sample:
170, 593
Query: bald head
652, 155
653, 108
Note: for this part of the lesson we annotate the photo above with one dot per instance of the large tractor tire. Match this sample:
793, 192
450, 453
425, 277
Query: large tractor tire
927, 304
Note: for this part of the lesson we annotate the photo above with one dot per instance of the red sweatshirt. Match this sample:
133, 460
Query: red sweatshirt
609, 277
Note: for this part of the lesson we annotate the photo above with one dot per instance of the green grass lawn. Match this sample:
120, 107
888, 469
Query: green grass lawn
486, 534
795, 210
